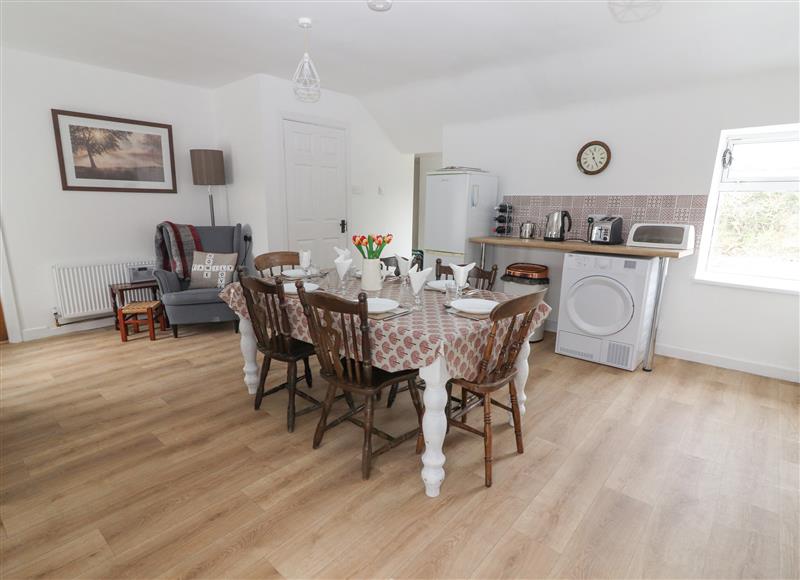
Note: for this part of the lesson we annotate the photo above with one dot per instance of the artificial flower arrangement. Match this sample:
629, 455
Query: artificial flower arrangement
371, 246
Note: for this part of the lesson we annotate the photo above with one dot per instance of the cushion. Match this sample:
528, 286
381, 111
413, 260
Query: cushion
191, 297
212, 270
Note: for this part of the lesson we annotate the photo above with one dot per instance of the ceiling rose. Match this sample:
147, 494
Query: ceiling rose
379, 5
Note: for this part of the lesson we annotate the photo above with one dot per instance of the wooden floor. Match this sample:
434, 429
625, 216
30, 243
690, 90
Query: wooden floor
147, 460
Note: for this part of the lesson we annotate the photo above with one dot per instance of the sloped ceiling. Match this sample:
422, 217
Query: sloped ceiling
422, 63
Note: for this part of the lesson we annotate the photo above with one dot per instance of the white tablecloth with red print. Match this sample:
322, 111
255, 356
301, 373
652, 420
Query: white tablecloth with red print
411, 341
438, 343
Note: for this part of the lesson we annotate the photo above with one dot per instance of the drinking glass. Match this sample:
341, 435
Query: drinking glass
450, 292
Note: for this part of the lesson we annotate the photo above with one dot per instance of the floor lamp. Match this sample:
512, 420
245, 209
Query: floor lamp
208, 168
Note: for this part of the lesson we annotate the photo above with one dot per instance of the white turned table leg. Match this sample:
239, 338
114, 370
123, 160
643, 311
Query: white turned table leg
521, 379
434, 424
247, 343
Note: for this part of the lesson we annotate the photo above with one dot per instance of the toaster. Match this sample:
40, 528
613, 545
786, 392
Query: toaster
607, 230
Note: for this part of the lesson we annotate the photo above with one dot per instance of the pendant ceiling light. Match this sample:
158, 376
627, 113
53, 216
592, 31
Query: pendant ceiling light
306, 79
626, 11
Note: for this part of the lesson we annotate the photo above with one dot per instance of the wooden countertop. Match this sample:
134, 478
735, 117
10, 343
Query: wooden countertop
578, 246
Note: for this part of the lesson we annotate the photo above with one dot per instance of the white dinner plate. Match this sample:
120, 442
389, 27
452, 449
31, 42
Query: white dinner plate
474, 305
381, 305
441, 284
294, 273
290, 288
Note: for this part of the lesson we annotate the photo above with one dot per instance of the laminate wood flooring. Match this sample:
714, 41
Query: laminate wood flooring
147, 460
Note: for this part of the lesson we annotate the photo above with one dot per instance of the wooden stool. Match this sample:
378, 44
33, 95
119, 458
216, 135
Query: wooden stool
129, 314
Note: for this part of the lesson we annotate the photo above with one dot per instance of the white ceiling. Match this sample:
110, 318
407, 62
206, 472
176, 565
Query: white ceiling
359, 51
424, 63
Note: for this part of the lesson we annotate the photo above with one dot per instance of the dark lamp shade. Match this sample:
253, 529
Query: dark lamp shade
208, 167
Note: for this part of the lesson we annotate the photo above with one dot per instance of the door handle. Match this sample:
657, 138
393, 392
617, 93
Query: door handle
343, 225
476, 196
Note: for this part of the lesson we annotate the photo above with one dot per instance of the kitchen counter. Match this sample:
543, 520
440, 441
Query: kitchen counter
578, 246
662, 254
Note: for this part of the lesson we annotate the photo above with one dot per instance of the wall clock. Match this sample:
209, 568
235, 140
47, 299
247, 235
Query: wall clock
594, 157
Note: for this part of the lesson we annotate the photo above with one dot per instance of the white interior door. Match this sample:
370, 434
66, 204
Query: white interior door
316, 188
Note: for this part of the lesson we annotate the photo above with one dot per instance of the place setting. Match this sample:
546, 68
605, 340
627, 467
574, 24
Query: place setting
457, 302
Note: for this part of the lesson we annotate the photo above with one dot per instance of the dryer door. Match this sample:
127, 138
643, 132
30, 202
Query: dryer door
599, 305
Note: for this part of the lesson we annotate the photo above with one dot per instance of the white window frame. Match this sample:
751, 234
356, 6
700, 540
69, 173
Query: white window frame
720, 183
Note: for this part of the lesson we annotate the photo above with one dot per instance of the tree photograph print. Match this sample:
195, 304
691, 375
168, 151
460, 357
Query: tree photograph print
99, 153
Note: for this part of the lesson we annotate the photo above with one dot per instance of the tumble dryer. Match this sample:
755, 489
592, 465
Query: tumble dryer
606, 308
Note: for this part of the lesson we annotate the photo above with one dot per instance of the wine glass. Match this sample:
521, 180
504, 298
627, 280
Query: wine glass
460, 289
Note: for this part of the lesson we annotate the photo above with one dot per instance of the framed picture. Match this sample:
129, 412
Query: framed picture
98, 153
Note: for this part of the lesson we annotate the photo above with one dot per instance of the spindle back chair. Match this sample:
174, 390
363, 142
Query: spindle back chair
340, 332
511, 324
280, 260
481, 279
267, 308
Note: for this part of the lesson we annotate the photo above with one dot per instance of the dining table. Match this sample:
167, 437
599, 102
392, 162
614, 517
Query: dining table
433, 338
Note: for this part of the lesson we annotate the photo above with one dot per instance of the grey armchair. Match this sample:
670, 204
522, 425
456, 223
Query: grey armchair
201, 305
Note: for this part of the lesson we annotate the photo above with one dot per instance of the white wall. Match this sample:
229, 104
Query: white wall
43, 225
660, 143
249, 124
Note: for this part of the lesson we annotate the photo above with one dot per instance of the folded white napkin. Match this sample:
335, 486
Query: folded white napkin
305, 259
342, 266
404, 264
341, 253
460, 273
418, 278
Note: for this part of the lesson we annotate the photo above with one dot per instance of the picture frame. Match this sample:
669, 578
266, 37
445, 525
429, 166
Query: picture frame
102, 153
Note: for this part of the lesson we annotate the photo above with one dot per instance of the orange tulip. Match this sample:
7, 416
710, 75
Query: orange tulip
379, 240
389, 238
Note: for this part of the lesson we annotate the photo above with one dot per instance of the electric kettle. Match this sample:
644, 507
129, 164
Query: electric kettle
554, 230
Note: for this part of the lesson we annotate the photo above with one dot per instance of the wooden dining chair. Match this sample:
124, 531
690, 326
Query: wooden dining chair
511, 323
266, 305
479, 278
271, 260
340, 332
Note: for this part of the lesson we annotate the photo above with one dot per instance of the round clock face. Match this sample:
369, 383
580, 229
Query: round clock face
594, 157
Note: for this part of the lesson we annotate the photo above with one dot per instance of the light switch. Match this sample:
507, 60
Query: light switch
357, 190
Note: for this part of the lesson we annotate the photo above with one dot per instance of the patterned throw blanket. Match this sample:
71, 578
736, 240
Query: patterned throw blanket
175, 246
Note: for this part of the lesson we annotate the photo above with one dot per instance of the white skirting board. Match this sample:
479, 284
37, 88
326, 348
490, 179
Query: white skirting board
48, 331
714, 360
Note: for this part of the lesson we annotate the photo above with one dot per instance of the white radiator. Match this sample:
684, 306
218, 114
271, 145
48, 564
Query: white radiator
82, 290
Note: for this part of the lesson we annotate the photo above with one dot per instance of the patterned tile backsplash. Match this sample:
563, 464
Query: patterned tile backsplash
680, 209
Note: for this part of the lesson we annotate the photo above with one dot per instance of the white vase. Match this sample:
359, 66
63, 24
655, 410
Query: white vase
371, 279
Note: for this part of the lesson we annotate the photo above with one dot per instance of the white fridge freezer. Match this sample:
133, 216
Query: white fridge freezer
458, 205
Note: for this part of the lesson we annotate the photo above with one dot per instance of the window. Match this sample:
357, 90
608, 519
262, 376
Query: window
751, 234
